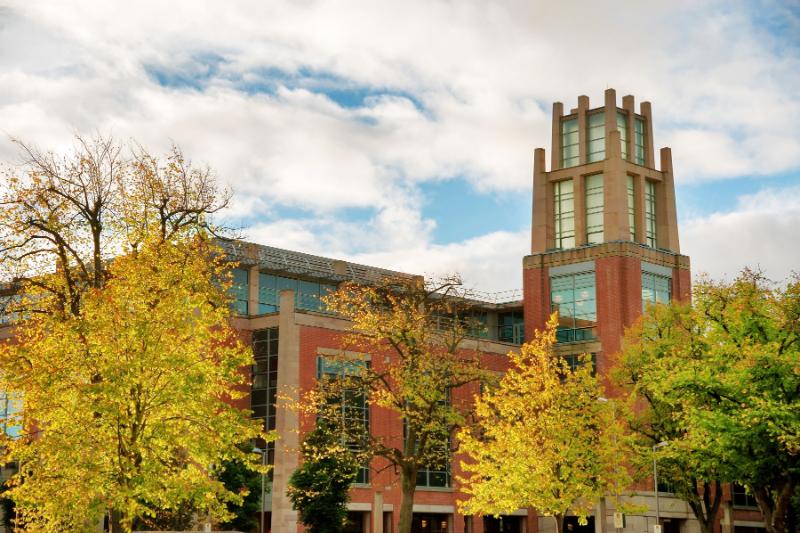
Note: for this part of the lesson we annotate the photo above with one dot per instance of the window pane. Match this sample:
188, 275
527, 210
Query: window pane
650, 213
632, 208
564, 208
574, 298
569, 142
594, 208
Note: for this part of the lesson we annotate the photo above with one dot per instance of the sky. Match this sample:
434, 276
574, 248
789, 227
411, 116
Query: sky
401, 134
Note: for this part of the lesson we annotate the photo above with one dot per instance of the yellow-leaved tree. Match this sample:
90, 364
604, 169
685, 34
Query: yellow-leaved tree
417, 334
545, 438
122, 354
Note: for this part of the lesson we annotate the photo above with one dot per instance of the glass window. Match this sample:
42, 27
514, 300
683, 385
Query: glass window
240, 291
622, 128
639, 141
264, 389
511, 327
569, 143
574, 297
10, 410
564, 214
594, 208
574, 362
650, 213
354, 405
632, 208
596, 138
742, 498
655, 289
307, 294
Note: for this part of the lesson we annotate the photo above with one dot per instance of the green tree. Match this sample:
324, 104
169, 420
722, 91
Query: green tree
319, 488
655, 418
545, 437
122, 349
730, 370
240, 478
419, 331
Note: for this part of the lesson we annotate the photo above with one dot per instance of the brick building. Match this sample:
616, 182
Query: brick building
604, 244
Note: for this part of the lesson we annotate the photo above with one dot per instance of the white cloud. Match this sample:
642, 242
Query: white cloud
760, 233
468, 87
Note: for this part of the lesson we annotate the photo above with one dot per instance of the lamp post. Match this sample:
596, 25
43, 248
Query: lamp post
263, 486
657, 527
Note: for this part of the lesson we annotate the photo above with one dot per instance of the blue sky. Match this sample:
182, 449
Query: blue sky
401, 134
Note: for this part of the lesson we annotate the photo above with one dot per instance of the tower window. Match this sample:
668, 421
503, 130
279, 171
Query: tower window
650, 213
574, 297
569, 143
622, 128
596, 149
564, 198
632, 208
655, 289
639, 141
594, 209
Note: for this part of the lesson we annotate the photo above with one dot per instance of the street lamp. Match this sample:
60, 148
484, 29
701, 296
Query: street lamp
263, 484
657, 527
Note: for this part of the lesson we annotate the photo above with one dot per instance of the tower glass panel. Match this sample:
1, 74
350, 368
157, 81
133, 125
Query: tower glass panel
655, 289
639, 142
596, 138
594, 209
564, 210
650, 213
574, 297
632, 208
622, 128
569, 143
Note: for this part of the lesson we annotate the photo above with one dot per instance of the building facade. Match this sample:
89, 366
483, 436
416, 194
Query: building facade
604, 244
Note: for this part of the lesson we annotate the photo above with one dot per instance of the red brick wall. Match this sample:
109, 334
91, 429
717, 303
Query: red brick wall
385, 423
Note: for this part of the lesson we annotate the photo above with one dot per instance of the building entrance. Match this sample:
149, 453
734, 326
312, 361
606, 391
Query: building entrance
429, 523
503, 524
571, 525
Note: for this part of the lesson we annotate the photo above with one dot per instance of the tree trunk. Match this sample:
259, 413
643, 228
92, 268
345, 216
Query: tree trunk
408, 483
559, 518
115, 522
775, 510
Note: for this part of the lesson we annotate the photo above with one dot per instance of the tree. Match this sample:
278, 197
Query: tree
319, 488
655, 418
418, 330
240, 478
731, 372
545, 437
122, 349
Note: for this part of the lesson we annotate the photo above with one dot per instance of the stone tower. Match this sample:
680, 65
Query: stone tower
605, 234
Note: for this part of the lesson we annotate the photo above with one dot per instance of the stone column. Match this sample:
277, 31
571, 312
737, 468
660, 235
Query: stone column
579, 203
252, 290
649, 151
377, 512
542, 227
284, 518
667, 223
600, 519
629, 106
615, 192
555, 155
638, 208
583, 133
